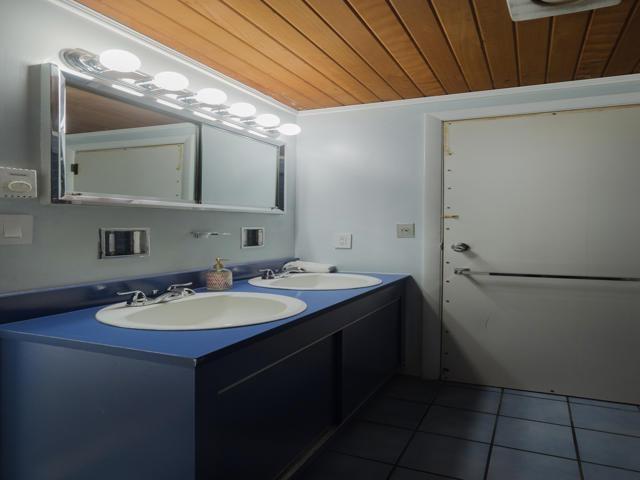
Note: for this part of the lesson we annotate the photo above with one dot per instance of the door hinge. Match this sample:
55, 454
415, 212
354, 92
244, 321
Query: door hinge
74, 168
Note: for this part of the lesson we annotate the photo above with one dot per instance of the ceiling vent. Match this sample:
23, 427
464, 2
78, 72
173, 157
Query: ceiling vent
530, 9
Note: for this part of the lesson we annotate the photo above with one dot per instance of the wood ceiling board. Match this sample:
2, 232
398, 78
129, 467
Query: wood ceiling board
497, 32
306, 21
386, 26
344, 21
532, 40
422, 24
167, 32
325, 53
264, 18
627, 51
234, 23
603, 32
459, 24
203, 27
567, 37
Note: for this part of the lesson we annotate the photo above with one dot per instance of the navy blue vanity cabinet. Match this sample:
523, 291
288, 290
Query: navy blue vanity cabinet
263, 406
370, 354
83, 400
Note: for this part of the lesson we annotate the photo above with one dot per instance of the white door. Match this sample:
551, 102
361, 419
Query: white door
547, 194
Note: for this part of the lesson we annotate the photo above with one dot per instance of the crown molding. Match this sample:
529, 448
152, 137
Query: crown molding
444, 100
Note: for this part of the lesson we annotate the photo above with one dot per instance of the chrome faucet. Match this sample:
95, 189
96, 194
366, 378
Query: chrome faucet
270, 274
267, 274
173, 292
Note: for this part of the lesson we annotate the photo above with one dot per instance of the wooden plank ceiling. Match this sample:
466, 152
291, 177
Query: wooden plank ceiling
328, 53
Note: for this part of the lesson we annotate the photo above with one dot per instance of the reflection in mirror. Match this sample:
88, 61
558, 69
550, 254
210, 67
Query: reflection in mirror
241, 171
117, 149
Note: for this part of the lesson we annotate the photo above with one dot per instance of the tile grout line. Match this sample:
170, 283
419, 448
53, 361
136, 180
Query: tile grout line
395, 465
501, 446
404, 399
628, 435
446, 435
535, 452
625, 469
467, 440
493, 436
506, 416
518, 394
415, 431
575, 442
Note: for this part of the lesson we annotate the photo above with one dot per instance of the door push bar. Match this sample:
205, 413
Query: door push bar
469, 272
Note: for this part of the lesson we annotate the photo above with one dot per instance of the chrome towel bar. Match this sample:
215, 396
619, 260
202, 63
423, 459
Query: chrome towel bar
469, 272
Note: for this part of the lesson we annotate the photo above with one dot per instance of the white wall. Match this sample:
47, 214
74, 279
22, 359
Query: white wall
363, 169
65, 243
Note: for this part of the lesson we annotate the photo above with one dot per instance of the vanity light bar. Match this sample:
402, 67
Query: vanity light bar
128, 90
79, 74
169, 104
261, 135
122, 66
232, 125
205, 116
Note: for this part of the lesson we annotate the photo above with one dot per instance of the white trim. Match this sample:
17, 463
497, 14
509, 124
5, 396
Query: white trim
125, 31
501, 92
528, 108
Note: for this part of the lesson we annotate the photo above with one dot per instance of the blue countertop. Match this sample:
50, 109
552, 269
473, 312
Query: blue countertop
80, 329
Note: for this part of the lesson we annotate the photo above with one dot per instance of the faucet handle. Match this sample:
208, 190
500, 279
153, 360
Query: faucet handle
267, 273
182, 288
138, 297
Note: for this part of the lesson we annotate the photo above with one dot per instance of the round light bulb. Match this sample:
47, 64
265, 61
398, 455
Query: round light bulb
119, 60
172, 81
211, 96
242, 109
289, 129
268, 120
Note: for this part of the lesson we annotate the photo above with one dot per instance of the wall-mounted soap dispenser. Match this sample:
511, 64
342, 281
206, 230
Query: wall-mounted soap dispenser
219, 277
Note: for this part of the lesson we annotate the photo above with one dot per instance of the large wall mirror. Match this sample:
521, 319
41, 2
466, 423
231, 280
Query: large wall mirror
108, 147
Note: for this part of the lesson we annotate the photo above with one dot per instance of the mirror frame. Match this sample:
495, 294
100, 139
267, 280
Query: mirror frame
54, 86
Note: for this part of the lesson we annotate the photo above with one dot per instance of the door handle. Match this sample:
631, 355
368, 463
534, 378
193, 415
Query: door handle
460, 247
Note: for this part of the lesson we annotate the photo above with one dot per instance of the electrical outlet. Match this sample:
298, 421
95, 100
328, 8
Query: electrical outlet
343, 240
406, 230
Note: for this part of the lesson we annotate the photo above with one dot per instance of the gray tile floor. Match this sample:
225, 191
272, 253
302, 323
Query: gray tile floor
419, 430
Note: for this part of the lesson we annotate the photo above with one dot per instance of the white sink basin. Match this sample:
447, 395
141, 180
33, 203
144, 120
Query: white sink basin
204, 311
318, 281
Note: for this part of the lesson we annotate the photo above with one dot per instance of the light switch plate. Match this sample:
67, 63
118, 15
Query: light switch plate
343, 240
406, 230
16, 229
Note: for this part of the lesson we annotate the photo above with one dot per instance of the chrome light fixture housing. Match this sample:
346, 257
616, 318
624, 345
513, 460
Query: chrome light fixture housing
116, 70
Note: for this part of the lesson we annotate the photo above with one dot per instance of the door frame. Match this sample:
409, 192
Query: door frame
433, 200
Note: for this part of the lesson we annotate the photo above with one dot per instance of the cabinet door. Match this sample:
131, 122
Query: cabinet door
370, 354
268, 419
